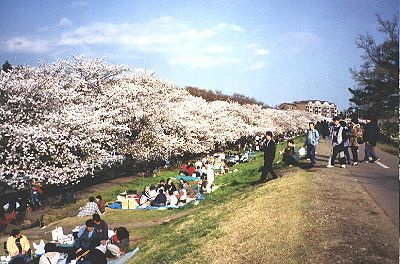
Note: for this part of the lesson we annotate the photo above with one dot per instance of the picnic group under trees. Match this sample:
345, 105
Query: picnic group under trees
93, 244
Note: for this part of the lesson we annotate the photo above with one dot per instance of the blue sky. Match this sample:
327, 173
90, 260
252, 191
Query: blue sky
276, 51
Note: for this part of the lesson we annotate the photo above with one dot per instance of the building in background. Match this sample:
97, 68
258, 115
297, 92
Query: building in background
322, 108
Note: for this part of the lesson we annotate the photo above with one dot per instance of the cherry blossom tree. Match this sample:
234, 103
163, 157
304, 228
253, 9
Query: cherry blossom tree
60, 122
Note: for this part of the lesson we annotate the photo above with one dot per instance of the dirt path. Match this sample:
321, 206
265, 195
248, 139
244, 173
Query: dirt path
350, 226
347, 225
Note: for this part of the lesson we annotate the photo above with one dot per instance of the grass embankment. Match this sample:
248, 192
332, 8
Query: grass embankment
260, 224
391, 148
238, 205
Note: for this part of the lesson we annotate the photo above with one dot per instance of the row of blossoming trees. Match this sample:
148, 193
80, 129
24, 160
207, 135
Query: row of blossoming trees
62, 121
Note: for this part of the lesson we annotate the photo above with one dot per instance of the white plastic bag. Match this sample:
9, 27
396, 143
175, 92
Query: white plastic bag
302, 151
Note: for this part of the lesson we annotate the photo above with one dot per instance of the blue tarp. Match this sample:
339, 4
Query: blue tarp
116, 205
187, 178
124, 258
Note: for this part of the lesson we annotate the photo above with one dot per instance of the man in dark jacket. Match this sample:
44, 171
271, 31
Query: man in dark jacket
87, 239
370, 136
269, 149
339, 137
101, 228
160, 200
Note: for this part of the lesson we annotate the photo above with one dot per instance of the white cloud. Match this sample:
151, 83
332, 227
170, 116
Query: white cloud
256, 66
165, 35
172, 40
218, 49
64, 22
23, 44
262, 52
162, 31
203, 61
230, 27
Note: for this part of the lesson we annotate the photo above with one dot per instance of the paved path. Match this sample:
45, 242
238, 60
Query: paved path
380, 180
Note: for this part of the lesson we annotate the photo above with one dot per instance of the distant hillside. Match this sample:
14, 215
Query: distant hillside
210, 96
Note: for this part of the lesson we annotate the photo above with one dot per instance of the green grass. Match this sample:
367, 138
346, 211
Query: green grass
391, 148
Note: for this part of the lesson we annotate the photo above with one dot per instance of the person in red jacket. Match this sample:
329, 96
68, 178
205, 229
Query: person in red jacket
185, 169
191, 170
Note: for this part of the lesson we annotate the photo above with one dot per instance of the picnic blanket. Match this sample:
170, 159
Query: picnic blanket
187, 178
161, 207
118, 206
124, 258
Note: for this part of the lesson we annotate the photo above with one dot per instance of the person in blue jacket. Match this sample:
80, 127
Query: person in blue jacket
312, 139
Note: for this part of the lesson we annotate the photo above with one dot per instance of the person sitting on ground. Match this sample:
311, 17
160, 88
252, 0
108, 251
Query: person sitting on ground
183, 183
51, 256
101, 204
101, 228
182, 196
198, 188
173, 199
190, 192
87, 239
289, 154
153, 191
145, 198
191, 170
244, 158
169, 185
89, 209
161, 185
160, 200
119, 243
185, 169
18, 247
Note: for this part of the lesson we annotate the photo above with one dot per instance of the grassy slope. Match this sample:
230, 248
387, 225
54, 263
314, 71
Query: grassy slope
189, 225
261, 224
186, 238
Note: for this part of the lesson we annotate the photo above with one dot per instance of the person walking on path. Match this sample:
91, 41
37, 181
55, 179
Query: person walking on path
269, 149
338, 139
355, 139
371, 134
312, 139
346, 143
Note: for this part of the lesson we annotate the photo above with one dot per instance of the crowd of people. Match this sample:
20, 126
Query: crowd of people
194, 180
349, 136
92, 244
346, 138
